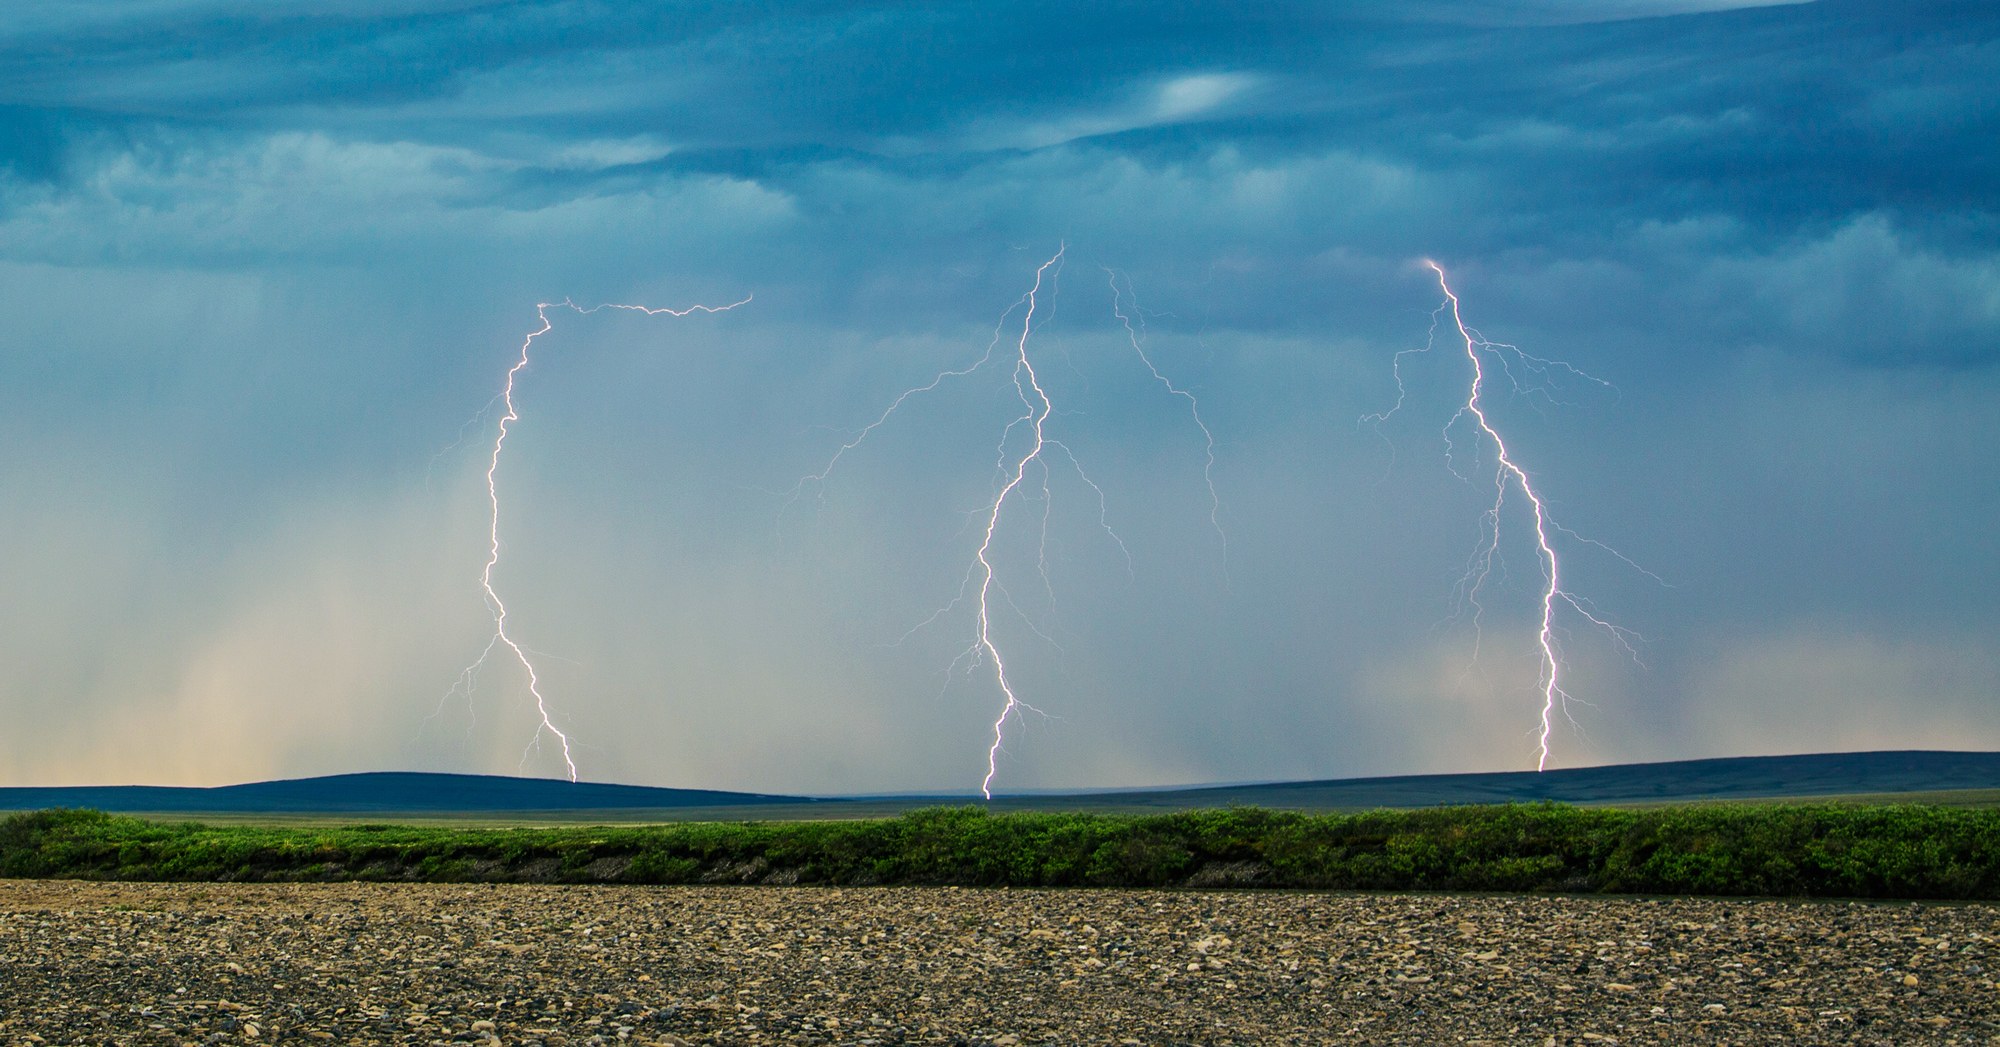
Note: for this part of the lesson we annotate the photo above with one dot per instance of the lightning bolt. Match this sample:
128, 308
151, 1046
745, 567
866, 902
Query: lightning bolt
1509, 476
1013, 469
1037, 410
498, 608
1136, 336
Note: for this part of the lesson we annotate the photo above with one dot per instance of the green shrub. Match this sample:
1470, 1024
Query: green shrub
1774, 849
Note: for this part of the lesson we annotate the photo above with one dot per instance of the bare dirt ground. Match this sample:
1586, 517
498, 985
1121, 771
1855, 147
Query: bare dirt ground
366, 964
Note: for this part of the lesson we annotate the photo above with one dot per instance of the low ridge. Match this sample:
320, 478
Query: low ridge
394, 792
401, 792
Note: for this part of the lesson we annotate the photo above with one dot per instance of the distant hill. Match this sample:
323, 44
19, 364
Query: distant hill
408, 793
1737, 777
386, 792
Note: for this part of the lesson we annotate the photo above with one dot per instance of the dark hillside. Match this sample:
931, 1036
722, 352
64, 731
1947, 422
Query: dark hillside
1880, 774
382, 793
1740, 777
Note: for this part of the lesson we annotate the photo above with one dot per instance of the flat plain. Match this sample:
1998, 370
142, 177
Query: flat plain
136, 963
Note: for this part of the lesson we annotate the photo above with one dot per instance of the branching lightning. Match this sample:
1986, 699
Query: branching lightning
498, 608
1036, 416
1018, 460
1508, 475
1136, 336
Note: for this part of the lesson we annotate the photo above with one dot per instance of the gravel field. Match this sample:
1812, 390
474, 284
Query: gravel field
88, 963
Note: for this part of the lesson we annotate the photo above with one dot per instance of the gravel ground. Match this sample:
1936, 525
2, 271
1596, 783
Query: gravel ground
88, 963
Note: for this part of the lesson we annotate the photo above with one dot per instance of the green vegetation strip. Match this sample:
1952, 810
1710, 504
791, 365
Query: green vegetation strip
1897, 851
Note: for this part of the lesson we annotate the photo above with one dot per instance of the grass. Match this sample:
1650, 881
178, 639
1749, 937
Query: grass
1793, 850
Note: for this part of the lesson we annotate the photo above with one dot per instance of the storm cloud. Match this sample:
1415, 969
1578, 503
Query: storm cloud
264, 265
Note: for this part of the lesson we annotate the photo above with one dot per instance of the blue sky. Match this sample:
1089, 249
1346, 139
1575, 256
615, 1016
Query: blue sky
265, 264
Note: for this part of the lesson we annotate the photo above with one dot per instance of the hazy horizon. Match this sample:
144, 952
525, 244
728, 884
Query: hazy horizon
974, 793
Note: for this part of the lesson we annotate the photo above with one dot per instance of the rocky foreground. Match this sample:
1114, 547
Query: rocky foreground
86, 963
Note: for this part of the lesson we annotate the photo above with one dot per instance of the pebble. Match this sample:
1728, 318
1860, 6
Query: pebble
688, 966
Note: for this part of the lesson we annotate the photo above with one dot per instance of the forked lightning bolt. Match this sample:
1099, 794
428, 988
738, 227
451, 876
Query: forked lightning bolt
1136, 336
501, 638
1037, 413
981, 585
1508, 475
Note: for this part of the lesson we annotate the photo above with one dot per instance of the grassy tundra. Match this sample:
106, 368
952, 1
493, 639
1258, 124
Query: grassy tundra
1786, 850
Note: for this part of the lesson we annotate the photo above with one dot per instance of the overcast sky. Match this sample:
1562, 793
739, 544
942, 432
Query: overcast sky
264, 266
